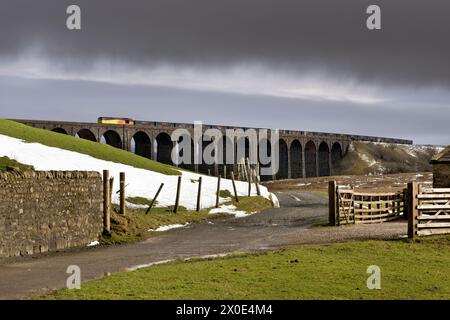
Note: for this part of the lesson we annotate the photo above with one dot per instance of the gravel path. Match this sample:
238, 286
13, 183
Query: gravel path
297, 222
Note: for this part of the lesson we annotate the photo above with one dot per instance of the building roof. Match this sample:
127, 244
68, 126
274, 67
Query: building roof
442, 157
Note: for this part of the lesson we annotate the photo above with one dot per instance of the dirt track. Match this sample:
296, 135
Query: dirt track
297, 222
387, 182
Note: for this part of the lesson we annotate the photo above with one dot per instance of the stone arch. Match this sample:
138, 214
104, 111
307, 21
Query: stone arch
296, 159
262, 143
86, 134
59, 130
336, 152
164, 147
324, 159
141, 144
310, 159
112, 138
283, 160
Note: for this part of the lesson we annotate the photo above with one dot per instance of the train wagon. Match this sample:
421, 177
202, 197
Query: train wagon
118, 121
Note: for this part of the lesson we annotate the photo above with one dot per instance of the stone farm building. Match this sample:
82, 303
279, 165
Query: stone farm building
441, 169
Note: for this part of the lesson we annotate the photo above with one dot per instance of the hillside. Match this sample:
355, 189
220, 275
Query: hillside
365, 158
96, 150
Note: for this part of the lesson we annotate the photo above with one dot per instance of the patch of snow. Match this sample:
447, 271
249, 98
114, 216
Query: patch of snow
366, 159
93, 243
141, 266
141, 182
230, 209
135, 206
169, 227
303, 184
274, 199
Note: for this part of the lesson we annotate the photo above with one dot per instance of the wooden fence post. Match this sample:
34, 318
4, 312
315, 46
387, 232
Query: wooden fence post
405, 204
199, 193
218, 191
249, 178
255, 178
332, 203
106, 202
122, 193
154, 199
177, 199
234, 187
413, 212
111, 185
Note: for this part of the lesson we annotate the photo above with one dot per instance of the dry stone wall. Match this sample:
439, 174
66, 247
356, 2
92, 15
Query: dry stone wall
44, 211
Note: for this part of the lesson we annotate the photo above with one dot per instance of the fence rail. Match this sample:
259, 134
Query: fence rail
348, 206
429, 212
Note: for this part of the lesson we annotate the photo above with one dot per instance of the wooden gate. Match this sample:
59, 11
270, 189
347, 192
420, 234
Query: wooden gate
429, 212
348, 206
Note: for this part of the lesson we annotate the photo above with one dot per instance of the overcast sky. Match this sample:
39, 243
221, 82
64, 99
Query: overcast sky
289, 64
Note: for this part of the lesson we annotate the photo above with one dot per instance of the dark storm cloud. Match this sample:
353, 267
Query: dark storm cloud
294, 35
85, 101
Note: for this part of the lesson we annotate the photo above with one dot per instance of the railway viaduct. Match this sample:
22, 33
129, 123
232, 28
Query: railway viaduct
301, 153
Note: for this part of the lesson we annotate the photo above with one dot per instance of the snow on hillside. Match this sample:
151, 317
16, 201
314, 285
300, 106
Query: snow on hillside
380, 158
139, 182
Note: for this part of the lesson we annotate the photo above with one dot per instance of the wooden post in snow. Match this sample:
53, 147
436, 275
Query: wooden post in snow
255, 178
199, 194
249, 177
234, 187
122, 193
106, 202
177, 199
218, 191
111, 185
154, 199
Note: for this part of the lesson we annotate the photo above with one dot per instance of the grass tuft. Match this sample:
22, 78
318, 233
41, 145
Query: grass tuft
7, 162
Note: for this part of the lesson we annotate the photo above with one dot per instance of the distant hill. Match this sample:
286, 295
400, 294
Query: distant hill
382, 158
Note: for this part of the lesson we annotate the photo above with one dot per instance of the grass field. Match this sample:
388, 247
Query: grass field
135, 225
96, 150
335, 271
